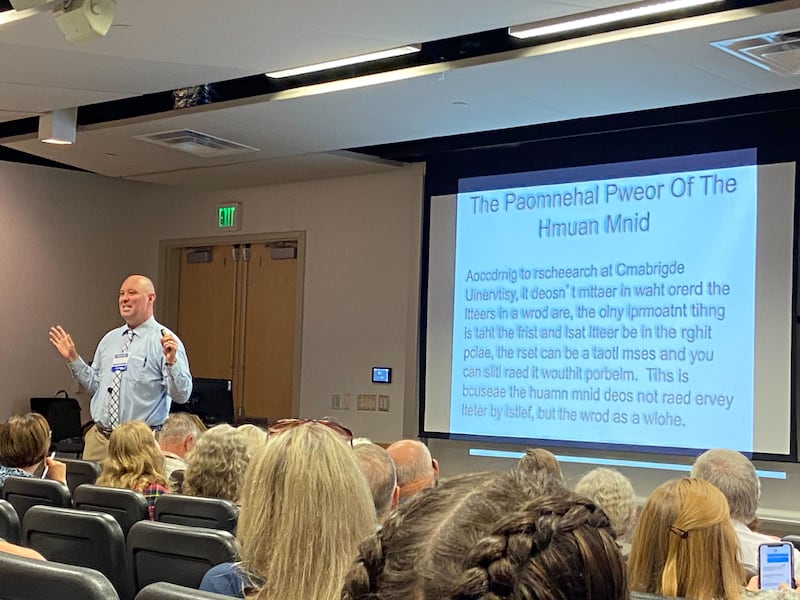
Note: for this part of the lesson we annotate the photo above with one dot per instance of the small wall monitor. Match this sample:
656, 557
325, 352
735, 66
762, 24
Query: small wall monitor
381, 375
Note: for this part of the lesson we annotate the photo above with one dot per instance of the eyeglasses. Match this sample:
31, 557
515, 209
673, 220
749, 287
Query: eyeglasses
286, 424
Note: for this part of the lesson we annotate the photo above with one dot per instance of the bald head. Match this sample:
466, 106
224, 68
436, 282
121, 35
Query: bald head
144, 283
136, 297
416, 470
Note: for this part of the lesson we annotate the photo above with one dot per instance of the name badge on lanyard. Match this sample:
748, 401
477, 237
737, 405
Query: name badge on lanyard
120, 362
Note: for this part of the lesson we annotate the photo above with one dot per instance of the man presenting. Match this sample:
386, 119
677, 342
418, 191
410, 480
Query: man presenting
137, 371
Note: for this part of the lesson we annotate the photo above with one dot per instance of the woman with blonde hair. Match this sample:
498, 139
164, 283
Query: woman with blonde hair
216, 465
135, 462
684, 545
256, 436
305, 508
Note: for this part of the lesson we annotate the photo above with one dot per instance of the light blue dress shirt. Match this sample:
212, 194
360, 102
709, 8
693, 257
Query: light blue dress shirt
147, 387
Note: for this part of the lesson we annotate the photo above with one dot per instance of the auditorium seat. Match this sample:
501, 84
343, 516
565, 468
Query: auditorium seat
176, 553
794, 539
214, 513
80, 472
81, 538
126, 506
24, 492
9, 523
169, 591
29, 579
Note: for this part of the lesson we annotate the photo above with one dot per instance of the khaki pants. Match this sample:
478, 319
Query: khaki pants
95, 446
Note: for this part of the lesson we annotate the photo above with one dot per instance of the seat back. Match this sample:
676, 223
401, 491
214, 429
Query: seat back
214, 513
24, 492
80, 538
29, 579
176, 553
126, 506
9, 523
794, 539
80, 472
169, 591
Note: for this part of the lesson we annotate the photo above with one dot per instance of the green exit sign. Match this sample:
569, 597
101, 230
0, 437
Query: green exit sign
229, 217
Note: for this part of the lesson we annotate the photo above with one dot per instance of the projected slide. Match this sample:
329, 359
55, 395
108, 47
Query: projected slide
613, 304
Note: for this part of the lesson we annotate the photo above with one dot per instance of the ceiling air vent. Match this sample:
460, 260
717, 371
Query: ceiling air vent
778, 52
195, 143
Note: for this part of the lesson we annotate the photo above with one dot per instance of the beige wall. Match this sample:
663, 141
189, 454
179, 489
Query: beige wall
69, 238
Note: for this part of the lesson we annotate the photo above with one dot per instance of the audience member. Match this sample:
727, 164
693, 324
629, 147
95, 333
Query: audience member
216, 465
305, 507
256, 436
24, 444
539, 459
735, 476
201, 427
684, 545
135, 462
490, 536
381, 476
614, 493
416, 470
176, 438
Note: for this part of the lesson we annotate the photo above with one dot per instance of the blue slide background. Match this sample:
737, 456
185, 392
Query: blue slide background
710, 230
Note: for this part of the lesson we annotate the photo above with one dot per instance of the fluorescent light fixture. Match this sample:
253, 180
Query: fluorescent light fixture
343, 62
59, 126
594, 18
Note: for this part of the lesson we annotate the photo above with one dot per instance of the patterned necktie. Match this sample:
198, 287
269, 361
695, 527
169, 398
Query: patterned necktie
113, 405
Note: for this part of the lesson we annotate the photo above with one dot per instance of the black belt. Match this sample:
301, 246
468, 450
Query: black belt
103, 430
106, 431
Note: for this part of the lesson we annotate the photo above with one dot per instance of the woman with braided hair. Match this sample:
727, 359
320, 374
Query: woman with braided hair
684, 545
491, 536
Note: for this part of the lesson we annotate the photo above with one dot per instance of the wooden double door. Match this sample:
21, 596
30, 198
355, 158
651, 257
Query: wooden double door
238, 307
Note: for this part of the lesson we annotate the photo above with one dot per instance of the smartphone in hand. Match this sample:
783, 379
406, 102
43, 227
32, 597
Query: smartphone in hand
775, 565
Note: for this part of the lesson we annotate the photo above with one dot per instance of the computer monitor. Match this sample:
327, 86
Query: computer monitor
211, 400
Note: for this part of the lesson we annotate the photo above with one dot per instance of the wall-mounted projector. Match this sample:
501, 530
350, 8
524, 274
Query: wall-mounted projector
84, 19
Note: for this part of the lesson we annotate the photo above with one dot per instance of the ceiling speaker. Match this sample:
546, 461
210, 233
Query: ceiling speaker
85, 19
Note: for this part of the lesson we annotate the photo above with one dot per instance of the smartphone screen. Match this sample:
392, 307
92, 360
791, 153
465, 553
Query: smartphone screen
775, 565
